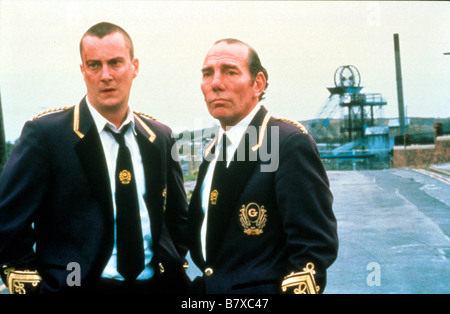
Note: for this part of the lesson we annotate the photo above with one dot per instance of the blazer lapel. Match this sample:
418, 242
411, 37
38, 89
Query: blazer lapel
153, 172
236, 178
195, 203
196, 216
239, 171
90, 153
92, 158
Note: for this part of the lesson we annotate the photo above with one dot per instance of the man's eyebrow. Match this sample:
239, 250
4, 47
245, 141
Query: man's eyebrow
206, 69
109, 60
222, 67
116, 59
228, 66
92, 60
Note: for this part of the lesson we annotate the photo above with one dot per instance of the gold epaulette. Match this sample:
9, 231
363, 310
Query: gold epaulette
48, 111
145, 115
301, 282
296, 123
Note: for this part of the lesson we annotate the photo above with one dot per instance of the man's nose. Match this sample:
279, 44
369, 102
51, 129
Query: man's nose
106, 73
217, 81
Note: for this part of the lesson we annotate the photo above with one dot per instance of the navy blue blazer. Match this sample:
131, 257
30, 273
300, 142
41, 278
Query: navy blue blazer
55, 194
269, 224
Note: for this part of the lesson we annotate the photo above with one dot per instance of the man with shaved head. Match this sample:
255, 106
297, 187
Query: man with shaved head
91, 200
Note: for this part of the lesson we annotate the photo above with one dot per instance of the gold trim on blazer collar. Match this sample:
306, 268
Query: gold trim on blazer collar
76, 124
76, 121
262, 132
254, 148
152, 137
209, 147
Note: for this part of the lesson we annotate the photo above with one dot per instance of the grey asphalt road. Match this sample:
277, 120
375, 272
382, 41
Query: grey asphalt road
394, 232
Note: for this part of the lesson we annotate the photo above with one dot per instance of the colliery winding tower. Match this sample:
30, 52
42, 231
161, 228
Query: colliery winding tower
360, 107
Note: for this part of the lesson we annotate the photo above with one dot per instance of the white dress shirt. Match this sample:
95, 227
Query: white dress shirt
234, 136
111, 150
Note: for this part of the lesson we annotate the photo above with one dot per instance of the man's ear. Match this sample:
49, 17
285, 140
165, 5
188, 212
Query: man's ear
259, 84
135, 64
82, 69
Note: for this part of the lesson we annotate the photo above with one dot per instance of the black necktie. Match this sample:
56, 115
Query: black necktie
219, 172
216, 197
130, 247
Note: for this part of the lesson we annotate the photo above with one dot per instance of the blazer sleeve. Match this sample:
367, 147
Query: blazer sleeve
23, 185
176, 204
305, 203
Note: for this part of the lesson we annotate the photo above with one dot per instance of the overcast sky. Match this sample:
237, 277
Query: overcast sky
301, 44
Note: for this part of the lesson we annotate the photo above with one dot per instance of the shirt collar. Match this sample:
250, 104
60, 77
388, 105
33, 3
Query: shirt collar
235, 133
100, 121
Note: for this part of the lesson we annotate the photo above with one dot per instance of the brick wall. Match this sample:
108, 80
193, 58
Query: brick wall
422, 155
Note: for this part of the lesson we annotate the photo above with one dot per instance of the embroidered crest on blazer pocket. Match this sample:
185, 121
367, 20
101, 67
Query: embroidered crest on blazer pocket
253, 218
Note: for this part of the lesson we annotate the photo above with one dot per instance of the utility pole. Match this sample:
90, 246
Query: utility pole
2, 139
